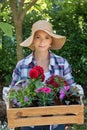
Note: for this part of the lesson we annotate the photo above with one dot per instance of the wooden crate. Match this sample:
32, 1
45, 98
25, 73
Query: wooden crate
34, 116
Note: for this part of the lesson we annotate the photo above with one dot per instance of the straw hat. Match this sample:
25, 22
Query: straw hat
58, 40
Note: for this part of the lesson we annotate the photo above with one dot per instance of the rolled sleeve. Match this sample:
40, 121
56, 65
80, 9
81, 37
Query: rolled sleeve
68, 73
16, 76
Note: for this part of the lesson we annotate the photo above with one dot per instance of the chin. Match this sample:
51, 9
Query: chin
43, 50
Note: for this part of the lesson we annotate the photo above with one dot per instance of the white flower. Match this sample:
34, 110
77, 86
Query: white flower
80, 89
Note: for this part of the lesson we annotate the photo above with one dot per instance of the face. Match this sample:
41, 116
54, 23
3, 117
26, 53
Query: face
42, 41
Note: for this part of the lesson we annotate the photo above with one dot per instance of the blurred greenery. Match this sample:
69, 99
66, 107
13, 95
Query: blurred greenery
69, 18
6, 28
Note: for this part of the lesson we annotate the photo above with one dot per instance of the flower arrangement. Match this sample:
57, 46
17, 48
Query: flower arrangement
23, 94
33, 92
71, 95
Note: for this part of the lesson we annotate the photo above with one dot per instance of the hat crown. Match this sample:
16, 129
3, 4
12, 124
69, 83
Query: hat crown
42, 24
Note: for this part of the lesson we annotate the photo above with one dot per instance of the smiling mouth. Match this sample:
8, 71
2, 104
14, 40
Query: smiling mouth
41, 46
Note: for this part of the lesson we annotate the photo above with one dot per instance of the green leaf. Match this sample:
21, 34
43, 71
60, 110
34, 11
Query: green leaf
6, 28
38, 84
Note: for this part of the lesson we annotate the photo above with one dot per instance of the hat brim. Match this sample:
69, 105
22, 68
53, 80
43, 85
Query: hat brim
58, 40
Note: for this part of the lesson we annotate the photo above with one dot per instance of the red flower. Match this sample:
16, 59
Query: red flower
66, 84
39, 69
36, 72
54, 84
33, 73
50, 80
41, 72
55, 81
42, 77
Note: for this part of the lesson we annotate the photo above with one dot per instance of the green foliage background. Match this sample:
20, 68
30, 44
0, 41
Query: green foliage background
67, 18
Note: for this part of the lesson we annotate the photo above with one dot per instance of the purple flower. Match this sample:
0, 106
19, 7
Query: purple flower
24, 84
26, 99
17, 88
15, 100
19, 104
62, 94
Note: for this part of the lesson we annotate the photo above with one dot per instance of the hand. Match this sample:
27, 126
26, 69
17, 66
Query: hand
66, 127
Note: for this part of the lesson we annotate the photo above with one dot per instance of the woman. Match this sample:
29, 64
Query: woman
41, 42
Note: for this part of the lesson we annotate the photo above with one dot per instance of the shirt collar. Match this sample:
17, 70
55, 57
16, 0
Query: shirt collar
52, 59
30, 58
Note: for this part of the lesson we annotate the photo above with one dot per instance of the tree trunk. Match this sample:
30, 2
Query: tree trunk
18, 16
1, 91
18, 27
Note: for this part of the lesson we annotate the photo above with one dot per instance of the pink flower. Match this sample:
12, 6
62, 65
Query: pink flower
43, 89
46, 90
39, 90
66, 88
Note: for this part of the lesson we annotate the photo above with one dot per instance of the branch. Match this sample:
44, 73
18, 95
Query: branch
19, 12
16, 8
20, 5
13, 7
29, 5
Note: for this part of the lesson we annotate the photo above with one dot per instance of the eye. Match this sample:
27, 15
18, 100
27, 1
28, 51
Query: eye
37, 37
48, 37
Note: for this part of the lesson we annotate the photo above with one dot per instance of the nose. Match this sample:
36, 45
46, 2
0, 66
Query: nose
42, 41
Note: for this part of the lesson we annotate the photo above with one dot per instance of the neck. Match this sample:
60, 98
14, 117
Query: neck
42, 59
41, 55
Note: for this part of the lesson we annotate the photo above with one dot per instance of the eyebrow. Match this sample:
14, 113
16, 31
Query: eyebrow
40, 35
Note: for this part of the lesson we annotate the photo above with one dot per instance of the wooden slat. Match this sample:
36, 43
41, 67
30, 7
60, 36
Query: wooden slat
45, 121
34, 115
37, 111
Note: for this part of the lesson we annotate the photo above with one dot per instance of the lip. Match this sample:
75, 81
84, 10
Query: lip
42, 46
